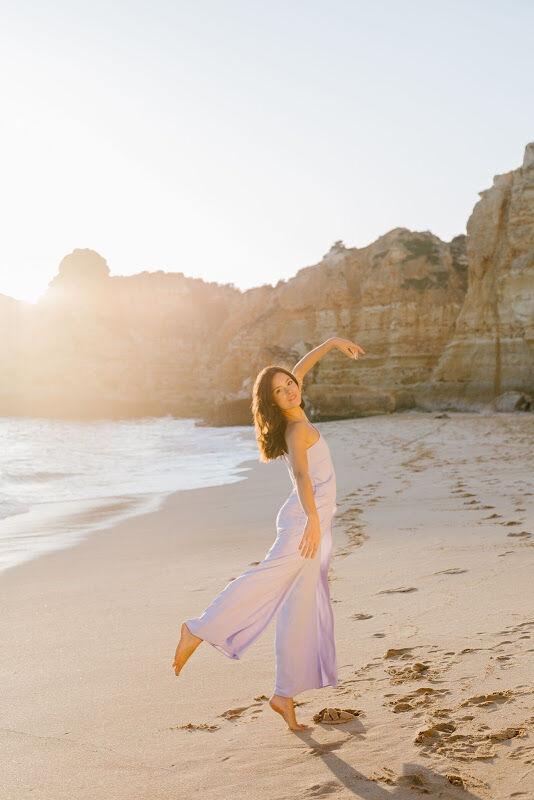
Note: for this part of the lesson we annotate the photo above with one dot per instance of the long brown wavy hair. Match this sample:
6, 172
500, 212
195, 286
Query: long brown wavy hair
269, 421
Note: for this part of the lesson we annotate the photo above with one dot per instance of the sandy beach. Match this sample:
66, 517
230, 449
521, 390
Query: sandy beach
431, 585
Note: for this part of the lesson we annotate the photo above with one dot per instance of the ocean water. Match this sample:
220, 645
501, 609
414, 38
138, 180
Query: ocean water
61, 480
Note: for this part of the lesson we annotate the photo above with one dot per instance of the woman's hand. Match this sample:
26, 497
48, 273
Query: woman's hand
311, 538
347, 347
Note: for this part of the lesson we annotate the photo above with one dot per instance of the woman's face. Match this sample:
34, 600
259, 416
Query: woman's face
285, 392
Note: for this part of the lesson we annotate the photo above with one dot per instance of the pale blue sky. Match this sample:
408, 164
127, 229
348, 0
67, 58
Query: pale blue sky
236, 141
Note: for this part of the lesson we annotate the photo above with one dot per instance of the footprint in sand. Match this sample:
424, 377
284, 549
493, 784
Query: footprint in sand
466, 781
451, 571
400, 590
360, 672
528, 624
412, 672
236, 713
383, 775
414, 781
362, 616
321, 789
396, 652
352, 528
232, 713
493, 698
524, 534
523, 753
509, 650
202, 726
445, 739
420, 698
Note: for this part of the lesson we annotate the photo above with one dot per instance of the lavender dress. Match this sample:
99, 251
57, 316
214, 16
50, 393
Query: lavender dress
288, 586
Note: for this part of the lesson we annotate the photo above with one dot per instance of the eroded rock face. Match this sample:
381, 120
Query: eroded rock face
398, 298
159, 343
492, 349
443, 325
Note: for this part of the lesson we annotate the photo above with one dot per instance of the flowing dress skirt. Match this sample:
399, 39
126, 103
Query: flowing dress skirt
291, 588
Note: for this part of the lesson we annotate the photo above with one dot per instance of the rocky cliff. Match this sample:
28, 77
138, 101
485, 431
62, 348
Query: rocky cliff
444, 325
492, 349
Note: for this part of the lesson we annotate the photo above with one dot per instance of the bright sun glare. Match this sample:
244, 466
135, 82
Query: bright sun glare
22, 290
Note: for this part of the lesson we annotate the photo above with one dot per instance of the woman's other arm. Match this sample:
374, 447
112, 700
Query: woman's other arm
297, 446
310, 359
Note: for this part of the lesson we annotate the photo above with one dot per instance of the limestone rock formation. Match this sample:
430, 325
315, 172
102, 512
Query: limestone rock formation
492, 349
443, 324
399, 298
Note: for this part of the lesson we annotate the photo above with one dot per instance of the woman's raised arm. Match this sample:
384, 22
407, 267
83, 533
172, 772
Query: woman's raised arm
347, 347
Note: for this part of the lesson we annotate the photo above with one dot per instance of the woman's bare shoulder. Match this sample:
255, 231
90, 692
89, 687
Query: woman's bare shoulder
298, 432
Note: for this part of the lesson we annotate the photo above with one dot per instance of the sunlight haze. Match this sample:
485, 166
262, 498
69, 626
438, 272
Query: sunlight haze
237, 141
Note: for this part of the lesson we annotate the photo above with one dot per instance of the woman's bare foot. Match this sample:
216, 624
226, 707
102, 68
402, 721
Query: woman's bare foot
188, 644
284, 706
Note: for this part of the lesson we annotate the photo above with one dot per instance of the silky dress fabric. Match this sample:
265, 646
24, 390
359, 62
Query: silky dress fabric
289, 587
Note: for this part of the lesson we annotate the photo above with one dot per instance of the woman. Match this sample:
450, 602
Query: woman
290, 582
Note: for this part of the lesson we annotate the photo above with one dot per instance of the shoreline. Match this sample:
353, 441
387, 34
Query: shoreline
422, 573
74, 520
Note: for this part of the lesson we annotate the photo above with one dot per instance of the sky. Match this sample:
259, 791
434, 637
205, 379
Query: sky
237, 141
